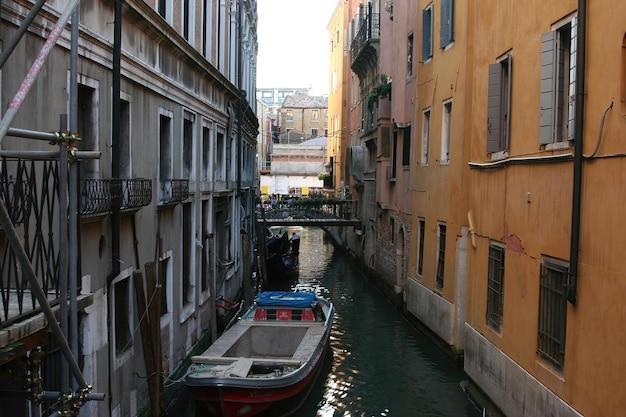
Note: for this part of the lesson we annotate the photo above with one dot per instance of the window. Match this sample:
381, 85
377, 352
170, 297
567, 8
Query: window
123, 311
315, 115
441, 254
446, 131
427, 33
162, 8
220, 157
446, 31
425, 136
207, 262
623, 91
394, 157
188, 145
289, 116
495, 287
409, 56
88, 125
392, 229
187, 255
125, 147
420, 247
186, 19
552, 311
206, 152
406, 146
165, 281
165, 146
207, 29
499, 105
314, 133
558, 67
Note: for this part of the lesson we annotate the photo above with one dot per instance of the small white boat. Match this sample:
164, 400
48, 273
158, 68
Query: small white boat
265, 364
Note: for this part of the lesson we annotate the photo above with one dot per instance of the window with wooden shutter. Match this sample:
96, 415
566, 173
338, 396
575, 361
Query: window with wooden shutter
499, 105
427, 33
446, 131
623, 90
425, 137
406, 146
447, 23
558, 83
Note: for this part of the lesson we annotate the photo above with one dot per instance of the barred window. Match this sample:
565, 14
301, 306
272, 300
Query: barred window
441, 255
420, 247
495, 287
552, 312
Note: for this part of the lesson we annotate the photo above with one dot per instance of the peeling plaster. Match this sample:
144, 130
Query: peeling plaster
513, 242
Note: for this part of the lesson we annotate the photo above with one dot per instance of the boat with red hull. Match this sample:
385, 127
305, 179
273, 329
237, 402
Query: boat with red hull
265, 364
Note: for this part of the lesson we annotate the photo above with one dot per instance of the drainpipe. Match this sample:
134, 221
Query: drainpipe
578, 150
115, 189
115, 139
72, 198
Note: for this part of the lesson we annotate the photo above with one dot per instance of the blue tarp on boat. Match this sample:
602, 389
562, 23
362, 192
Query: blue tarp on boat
286, 299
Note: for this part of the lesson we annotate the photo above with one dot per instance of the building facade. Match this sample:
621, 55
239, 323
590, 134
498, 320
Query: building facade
155, 136
512, 226
304, 117
437, 272
545, 270
338, 130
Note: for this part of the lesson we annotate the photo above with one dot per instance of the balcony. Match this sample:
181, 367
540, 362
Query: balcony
364, 46
97, 196
173, 191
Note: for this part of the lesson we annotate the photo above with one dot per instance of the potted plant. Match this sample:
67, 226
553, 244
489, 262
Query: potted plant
382, 90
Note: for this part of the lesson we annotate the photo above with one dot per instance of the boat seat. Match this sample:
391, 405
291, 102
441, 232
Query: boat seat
241, 367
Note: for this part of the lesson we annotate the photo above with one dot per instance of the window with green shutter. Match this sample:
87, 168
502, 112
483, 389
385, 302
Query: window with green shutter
558, 83
446, 30
427, 33
499, 105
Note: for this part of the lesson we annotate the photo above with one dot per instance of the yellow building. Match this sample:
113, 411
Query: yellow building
546, 272
338, 96
437, 271
305, 116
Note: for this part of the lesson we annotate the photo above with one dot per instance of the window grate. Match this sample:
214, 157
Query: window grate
441, 255
552, 313
495, 287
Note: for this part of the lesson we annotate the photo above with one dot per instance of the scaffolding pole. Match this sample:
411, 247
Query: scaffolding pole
28, 82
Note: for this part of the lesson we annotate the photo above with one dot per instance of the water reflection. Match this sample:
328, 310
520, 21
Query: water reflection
379, 365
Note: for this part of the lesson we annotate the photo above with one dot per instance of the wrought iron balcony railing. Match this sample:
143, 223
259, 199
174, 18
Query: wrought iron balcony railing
98, 196
173, 191
370, 29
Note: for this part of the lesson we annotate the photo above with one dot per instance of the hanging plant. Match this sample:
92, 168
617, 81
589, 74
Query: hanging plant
382, 90
323, 176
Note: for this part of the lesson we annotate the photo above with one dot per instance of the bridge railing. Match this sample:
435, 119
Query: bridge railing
311, 209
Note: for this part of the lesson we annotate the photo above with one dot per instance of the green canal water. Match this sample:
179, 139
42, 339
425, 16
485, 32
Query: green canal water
379, 364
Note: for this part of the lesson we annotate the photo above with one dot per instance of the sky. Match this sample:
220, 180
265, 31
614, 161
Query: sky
294, 44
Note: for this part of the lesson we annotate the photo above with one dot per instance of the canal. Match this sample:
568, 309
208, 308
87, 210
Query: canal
380, 364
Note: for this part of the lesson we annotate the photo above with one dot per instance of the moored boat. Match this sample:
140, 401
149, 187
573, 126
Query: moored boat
265, 364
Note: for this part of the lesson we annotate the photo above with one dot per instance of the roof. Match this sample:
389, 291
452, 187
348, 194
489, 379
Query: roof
320, 140
305, 102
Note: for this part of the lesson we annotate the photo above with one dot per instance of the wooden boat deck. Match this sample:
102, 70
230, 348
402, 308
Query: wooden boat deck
290, 344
